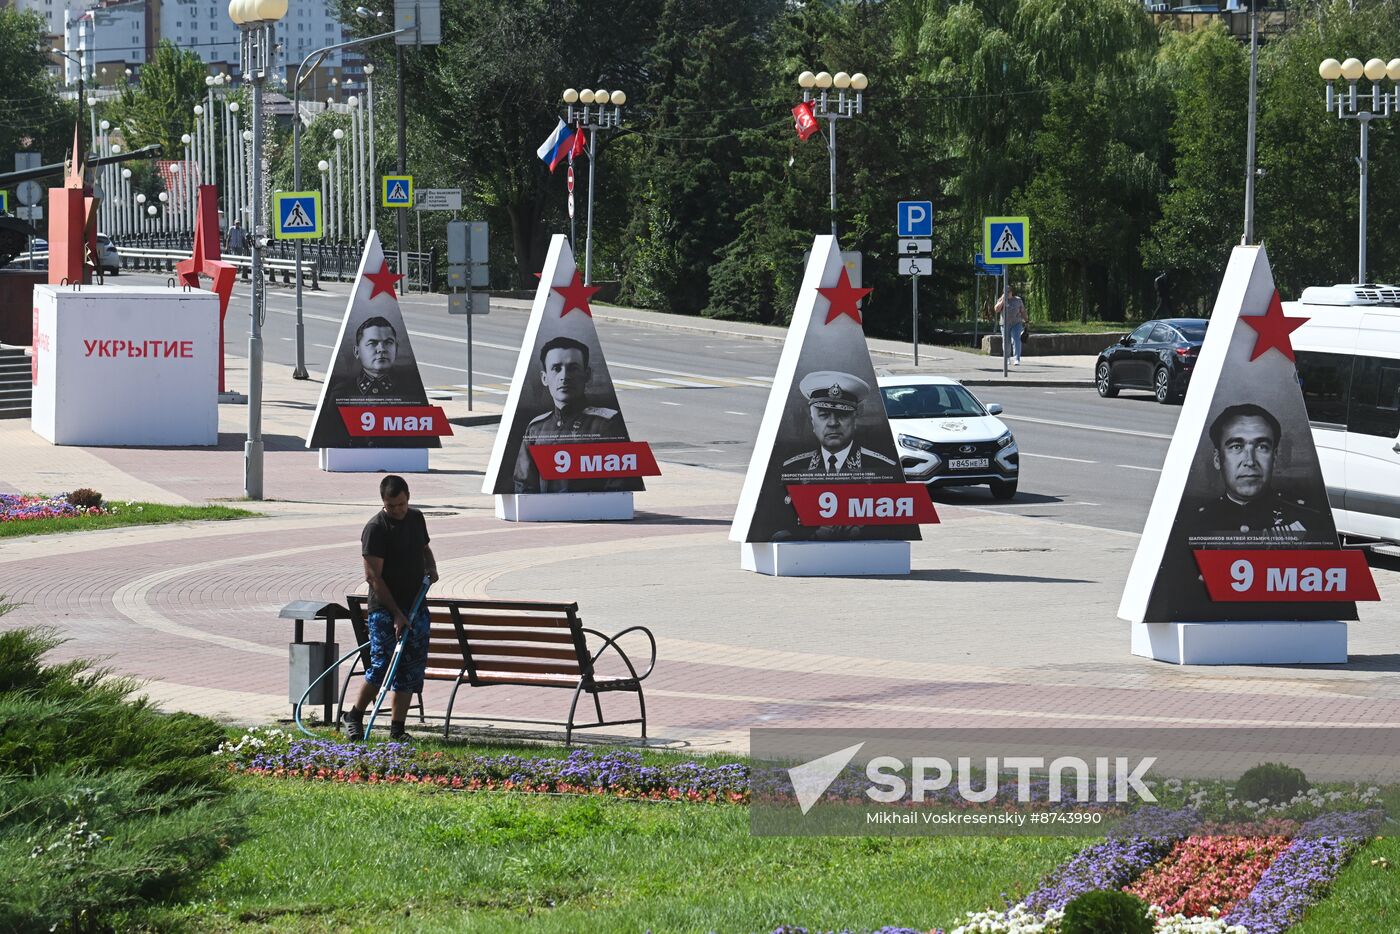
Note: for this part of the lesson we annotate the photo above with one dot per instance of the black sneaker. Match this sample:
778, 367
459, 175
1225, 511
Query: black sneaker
397, 731
354, 723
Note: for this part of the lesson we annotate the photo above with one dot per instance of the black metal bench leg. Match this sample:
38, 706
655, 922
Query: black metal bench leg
598, 705
642, 703
451, 702
569, 725
422, 717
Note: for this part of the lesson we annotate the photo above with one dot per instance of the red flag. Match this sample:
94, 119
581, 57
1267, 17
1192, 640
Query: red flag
576, 147
806, 122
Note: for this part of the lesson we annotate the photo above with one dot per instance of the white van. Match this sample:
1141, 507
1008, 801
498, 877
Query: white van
1349, 367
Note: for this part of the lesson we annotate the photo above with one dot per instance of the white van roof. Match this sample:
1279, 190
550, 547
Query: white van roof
1349, 294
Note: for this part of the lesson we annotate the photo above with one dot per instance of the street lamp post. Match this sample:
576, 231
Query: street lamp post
313, 59
1351, 106
847, 101
590, 110
256, 21
79, 62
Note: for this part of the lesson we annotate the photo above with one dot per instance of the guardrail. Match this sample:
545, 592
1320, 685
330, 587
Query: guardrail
165, 260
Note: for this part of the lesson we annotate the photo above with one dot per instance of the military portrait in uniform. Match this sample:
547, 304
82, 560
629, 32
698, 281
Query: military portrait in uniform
833, 400
565, 372
373, 365
1246, 440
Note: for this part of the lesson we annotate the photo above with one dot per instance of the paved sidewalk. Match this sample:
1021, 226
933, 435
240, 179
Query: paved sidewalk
1006, 620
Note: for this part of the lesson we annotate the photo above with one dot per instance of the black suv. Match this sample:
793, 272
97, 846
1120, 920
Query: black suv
1159, 356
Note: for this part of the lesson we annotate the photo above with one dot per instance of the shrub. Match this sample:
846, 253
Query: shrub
106, 804
1107, 912
85, 498
1272, 780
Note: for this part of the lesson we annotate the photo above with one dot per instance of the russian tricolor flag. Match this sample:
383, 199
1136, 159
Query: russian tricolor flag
554, 149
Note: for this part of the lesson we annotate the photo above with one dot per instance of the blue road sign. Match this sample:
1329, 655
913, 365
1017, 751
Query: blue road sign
296, 215
982, 269
1006, 240
915, 219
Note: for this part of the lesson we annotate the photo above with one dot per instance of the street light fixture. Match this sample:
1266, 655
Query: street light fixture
1349, 105
256, 21
592, 110
847, 101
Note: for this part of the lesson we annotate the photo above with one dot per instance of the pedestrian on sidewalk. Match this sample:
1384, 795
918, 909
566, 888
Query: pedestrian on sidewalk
237, 239
1013, 319
396, 555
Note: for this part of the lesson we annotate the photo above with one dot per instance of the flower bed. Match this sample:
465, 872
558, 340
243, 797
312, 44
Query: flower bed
1204, 873
583, 772
18, 508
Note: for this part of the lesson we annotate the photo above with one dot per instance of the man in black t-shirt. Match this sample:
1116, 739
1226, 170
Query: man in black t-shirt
396, 554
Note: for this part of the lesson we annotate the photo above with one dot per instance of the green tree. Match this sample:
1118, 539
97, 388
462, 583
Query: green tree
29, 105
1206, 73
160, 108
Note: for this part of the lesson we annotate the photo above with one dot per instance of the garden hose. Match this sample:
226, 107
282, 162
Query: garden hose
398, 653
296, 711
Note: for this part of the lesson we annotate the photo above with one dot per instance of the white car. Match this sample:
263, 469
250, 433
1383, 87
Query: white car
946, 437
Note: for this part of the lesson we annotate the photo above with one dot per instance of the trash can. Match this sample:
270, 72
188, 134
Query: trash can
307, 661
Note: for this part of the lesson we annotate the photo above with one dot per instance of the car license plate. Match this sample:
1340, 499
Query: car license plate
967, 463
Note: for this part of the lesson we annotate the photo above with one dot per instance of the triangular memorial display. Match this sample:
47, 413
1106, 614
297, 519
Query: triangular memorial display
1240, 529
824, 467
562, 430
373, 396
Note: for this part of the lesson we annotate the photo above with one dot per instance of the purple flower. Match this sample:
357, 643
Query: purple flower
1302, 874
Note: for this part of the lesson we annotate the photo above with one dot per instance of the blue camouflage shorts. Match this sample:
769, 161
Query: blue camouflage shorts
382, 642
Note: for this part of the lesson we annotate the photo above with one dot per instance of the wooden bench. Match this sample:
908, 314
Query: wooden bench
479, 643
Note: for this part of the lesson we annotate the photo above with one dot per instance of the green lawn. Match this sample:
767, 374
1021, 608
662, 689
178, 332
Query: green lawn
339, 857
128, 514
1365, 898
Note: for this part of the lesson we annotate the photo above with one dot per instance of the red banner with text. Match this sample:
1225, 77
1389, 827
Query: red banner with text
395, 421
862, 504
1285, 575
587, 461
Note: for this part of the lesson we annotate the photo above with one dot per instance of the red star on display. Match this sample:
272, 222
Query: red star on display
1272, 329
383, 281
576, 295
842, 298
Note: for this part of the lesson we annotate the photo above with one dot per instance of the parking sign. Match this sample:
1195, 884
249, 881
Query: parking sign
915, 219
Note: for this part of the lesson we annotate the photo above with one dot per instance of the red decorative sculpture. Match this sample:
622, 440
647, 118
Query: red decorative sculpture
206, 262
72, 225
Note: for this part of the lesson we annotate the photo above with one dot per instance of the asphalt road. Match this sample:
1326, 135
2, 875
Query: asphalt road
697, 399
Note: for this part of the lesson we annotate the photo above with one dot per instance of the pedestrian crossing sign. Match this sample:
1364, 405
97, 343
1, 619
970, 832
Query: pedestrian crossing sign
1006, 240
296, 215
397, 191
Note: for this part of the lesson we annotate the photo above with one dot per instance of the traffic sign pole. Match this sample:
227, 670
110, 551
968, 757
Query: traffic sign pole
914, 289
1005, 331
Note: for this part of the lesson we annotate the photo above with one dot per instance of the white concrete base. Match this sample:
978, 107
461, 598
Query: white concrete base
374, 460
563, 507
1265, 643
825, 559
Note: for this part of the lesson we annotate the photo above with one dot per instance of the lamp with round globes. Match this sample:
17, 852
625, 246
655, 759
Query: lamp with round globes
208, 81
823, 80
587, 109
841, 80
353, 101
846, 102
126, 174
105, 126
199, 110
233, 107
369, 68
339, 134
1364, 107
247, 136
140, 198
323, 165
859, 82
116, 148
151, 210
806, 80
164, 196
185, 138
